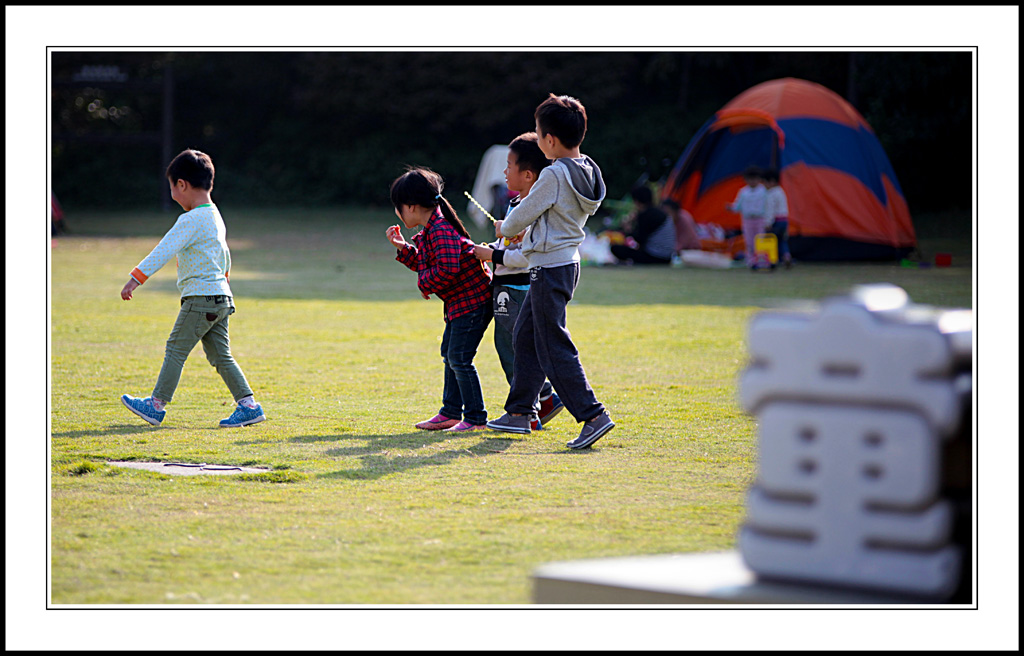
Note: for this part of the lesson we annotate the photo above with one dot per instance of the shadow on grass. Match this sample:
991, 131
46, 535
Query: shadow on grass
377, 463
117, 429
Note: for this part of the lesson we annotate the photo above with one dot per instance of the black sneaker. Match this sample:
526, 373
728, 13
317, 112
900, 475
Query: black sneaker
592, 431
511, 424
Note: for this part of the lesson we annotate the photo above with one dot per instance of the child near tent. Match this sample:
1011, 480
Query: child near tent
198, 239
442, 256
777, 213
750, 203
511, 273
565, 195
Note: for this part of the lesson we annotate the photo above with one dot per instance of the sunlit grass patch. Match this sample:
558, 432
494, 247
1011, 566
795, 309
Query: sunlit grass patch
344, 356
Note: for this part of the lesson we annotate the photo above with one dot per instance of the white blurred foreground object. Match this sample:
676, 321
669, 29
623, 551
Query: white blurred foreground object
864, 492
864, 435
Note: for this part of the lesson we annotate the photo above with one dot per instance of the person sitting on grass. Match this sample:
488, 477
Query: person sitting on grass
653, 231
198, 239
686, 228
442, 256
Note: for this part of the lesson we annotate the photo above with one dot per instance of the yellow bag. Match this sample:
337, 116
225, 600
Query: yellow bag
768, 244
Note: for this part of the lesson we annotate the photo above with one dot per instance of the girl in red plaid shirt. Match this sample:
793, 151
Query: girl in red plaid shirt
443, 258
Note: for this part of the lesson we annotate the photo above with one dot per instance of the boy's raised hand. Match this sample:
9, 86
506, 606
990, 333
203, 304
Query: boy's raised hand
497, 229
394, 235
129, 287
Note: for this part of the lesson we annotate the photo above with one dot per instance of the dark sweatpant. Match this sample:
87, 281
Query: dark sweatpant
544, 348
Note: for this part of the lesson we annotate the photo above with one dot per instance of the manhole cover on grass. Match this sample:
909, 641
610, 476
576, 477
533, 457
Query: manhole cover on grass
189, 468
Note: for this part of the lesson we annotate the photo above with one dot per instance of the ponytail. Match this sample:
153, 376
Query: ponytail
421, 186
449, 214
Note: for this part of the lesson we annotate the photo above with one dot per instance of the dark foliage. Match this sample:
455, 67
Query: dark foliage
318, 128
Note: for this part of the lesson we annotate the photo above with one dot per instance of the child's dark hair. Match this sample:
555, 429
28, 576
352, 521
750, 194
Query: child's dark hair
421, 186
529, 156
564, 117
753, 171
642, 194
192, 166
771, 175
671, 204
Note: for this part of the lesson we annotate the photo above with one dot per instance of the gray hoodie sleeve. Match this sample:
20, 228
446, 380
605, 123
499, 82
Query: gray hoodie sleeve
514, 259
543, 195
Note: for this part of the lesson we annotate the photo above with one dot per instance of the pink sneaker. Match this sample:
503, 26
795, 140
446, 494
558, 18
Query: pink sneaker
438, 422
464, 426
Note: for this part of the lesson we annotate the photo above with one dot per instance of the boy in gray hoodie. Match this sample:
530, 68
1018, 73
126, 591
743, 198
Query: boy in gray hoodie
565, 195
511, 278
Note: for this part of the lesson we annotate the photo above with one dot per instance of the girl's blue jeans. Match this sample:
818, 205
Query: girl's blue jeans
463, 396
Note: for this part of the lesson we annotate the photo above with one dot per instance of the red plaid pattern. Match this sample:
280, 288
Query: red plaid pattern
445, 265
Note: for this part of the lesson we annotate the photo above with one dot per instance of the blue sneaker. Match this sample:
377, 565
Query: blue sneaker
144, 408
243, 416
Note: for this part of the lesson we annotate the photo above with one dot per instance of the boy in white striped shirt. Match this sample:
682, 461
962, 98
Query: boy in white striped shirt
198, 239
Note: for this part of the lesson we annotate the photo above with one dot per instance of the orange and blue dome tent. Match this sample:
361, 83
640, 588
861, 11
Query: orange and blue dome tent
845, 202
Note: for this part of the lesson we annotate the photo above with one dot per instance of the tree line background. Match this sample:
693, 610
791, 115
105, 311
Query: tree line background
334, 128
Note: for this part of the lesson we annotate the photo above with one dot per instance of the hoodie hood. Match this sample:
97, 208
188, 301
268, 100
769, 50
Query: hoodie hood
565, 195
586, 181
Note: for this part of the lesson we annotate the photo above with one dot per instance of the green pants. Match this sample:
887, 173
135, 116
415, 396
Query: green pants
201, 318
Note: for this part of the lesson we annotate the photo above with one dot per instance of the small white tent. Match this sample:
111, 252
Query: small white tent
491, 174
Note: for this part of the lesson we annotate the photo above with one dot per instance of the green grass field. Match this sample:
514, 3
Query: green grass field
361, 508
